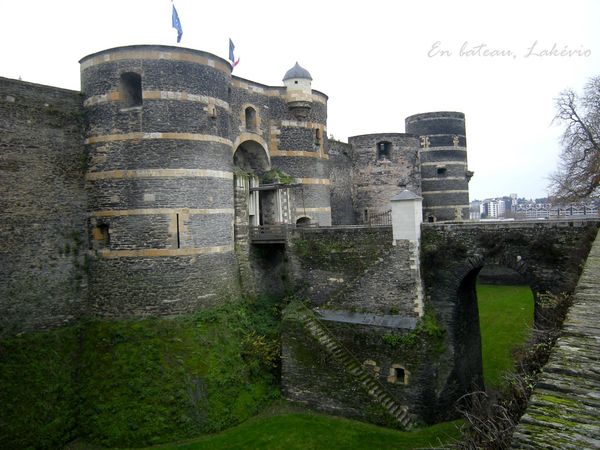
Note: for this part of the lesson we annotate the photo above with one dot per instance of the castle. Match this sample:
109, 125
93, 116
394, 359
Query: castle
169, 162
151, 191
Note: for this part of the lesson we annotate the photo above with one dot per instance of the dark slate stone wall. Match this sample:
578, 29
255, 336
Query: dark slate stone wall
143, 208
341, 176
42, 207
159, 286
311, 376
322, 261
445, 195
563, 410
147, 153
172, 192
388, 286
375, 181
547, 254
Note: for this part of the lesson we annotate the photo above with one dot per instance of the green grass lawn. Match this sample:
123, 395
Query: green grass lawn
505, 318
313, 431
506, 314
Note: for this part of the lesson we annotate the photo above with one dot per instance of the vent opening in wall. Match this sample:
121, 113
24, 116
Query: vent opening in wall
250, 118
398, 375
130, 88
441, 171
101, 236
384, 150
303, 222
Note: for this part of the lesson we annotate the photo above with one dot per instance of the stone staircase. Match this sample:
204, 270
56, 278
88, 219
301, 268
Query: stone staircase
375, 390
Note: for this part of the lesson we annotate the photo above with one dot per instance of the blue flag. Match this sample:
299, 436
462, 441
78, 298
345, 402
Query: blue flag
231, 54
177, 24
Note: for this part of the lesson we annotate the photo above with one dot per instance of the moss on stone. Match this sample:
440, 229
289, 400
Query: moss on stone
427, 333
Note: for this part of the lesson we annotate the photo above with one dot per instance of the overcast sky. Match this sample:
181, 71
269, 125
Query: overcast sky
378, 61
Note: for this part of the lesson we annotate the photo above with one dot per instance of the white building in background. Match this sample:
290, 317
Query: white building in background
493, 208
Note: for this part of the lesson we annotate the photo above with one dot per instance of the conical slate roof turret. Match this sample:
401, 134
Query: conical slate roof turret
297, 72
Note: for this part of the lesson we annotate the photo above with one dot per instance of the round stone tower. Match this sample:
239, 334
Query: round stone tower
159, 179
298, 96
299, 146
444, 173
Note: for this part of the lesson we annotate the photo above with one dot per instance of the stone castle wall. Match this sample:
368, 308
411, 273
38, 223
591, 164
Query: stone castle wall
43, 239
379, 174
341, 176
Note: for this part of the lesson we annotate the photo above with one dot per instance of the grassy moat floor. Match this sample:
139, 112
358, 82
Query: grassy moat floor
505, 318
506, 315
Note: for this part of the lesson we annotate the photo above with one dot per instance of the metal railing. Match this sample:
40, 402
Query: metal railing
274, 233
268, 234
381, 219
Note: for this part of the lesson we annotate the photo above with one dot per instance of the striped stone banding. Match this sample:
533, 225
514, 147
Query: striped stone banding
158, 173
454, 191
156, 55
431, 148
301, 124
299, 153
445, 163
324, 209
444, 178
158, 252
321, 181
159, 211
270, 91
446, 207
174, 136
115, 96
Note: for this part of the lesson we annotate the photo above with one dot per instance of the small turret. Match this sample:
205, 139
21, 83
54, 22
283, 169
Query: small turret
297, 81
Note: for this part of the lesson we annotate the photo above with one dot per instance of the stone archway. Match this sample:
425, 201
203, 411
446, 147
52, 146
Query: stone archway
250, 161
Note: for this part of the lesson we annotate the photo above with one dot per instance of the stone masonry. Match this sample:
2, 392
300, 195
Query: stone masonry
563, 411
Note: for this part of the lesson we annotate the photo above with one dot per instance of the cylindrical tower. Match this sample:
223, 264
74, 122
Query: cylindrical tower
384, 165
159, 178
444, 173
299, 146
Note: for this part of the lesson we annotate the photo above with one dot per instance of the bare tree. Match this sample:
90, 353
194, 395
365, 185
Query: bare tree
578, 174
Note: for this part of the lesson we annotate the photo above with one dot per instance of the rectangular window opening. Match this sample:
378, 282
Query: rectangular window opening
178, 236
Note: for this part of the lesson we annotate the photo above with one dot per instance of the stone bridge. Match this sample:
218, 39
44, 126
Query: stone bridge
548, 254
371, 320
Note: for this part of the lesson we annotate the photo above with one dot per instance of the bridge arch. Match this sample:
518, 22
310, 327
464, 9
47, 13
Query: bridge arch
547, 255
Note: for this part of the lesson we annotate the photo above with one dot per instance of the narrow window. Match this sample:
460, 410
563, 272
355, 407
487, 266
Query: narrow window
441, 171
383, 150
178, 235
130, 87
212, 111
250, 118
317, 138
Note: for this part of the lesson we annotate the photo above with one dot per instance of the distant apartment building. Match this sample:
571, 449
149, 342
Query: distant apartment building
493, 208
531, 210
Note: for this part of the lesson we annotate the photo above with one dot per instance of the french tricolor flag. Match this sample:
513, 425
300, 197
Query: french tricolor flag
234, 62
